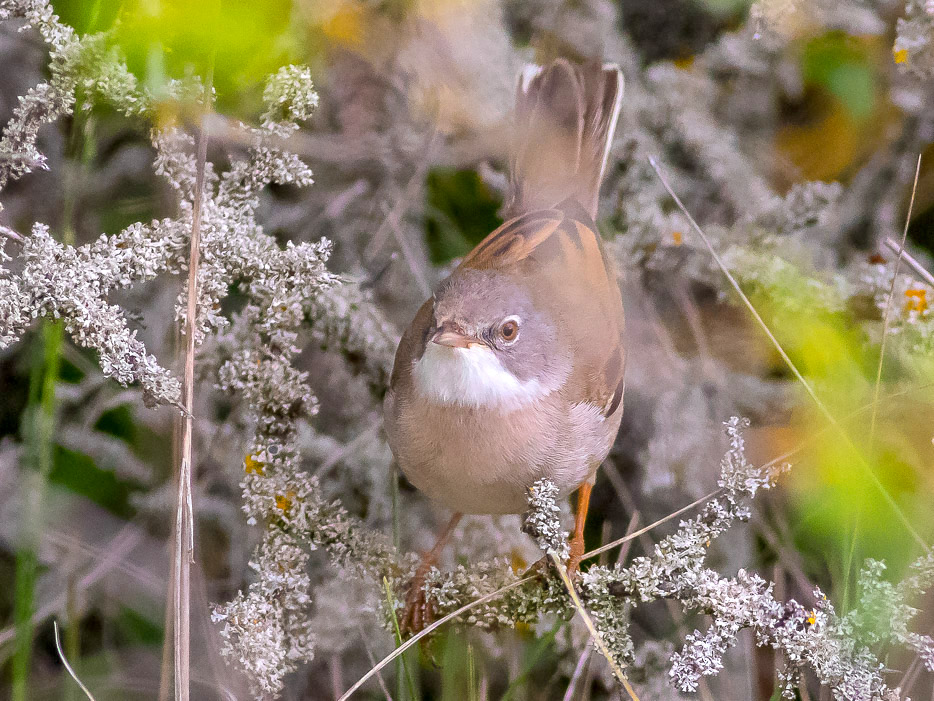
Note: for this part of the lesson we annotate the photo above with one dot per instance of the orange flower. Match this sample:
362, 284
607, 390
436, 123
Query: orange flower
677, 237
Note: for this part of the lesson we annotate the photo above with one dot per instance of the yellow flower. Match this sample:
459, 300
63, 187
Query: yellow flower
901, 55
253, 466
916, 299
684, 63
284, 503
677, 237
812, 618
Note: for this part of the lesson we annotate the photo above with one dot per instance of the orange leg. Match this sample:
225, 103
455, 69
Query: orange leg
580, 518
417, 612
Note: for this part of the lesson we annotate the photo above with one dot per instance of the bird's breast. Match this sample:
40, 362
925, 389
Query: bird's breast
483, 460
472, 377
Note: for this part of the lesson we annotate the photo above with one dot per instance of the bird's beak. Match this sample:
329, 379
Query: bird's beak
452, 336
453, 339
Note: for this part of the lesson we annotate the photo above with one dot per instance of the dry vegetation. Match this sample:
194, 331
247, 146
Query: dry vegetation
196, 337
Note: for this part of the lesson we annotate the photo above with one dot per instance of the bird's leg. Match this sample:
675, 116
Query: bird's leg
580, 518
417, 609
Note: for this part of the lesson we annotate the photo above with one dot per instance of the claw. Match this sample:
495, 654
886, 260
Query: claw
539, 567
418, 610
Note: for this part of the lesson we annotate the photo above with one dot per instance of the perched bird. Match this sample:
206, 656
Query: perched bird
513, 370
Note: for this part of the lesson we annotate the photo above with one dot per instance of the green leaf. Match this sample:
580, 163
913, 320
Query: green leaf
78, 473
239, 40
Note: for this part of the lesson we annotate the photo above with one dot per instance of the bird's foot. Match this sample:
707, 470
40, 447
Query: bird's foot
576, 547
537, 568
418, 612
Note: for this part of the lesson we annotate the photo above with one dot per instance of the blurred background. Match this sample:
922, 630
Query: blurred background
790, 129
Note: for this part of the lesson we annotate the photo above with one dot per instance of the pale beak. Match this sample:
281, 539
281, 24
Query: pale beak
453, 336
453, 339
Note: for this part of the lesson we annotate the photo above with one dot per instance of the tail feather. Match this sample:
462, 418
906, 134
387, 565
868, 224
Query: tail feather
566, 116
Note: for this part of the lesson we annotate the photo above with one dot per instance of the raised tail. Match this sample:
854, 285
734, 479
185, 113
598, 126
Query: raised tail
565, 119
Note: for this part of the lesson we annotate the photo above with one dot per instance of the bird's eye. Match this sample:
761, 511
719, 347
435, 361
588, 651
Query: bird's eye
509, 330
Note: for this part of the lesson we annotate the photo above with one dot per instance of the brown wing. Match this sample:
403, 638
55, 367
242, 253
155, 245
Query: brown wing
412, 344
514, 241
592, 306
560, 257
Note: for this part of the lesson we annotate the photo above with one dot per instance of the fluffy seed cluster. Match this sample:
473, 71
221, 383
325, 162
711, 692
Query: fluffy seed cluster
290, 298
541, 520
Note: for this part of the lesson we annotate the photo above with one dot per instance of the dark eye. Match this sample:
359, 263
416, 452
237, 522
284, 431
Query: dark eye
509, 330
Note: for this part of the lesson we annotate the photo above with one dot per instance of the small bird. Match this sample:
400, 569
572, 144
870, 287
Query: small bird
513, 370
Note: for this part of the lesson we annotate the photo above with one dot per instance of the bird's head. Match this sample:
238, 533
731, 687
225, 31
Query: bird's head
490, 344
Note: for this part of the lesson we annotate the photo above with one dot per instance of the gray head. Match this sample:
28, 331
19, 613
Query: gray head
487, 310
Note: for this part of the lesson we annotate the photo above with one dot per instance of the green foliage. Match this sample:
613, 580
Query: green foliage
136, 629
79, 474
538, 654
240, 41
846, 69
461, 212
838, 516
118, 422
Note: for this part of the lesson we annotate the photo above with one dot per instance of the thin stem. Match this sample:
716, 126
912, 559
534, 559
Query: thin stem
61, 655
184, 511
10, 234
401, 671
591, 628
888, 310
40, 430
405, 676
578, 673
912, 262
73, 629
40, 422
646, 529
369, 656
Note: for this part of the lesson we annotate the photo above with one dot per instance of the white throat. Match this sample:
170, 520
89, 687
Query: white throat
472, 377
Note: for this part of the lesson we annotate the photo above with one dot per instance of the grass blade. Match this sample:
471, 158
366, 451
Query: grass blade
184, 543
61, 656
888, 309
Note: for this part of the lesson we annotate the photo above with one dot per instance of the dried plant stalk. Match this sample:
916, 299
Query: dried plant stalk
184, 508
